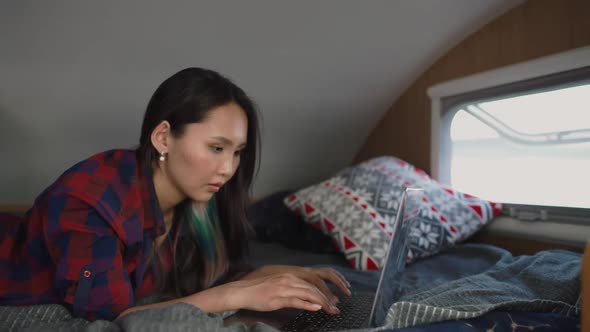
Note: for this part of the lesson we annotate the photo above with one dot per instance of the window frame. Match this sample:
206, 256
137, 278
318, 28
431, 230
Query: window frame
542, 74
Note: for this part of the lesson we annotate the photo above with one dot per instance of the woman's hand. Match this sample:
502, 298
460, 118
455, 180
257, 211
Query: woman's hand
276, 291
284, 290
314, 276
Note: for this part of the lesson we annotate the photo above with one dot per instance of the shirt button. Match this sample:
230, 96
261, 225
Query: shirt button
87, 274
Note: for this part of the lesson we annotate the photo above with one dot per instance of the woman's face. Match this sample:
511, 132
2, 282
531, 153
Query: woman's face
207, 154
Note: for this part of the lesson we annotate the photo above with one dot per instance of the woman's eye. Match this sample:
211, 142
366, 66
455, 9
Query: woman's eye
238, 153
217, 149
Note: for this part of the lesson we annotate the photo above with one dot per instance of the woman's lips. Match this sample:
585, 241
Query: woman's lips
214, 187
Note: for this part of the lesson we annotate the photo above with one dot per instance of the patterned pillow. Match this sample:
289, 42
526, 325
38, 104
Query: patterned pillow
356, 206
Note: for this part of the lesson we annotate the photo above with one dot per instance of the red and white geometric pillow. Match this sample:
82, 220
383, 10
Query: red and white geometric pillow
356, 206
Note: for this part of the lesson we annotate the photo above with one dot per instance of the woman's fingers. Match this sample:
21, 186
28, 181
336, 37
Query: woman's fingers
300, 304
305, 290
341, 277
336, 278
300, 288
320, 284
310, 295
317, 286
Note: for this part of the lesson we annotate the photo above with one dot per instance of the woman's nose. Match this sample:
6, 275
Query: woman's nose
226, 166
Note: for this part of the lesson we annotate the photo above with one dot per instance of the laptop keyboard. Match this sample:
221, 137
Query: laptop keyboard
354, 312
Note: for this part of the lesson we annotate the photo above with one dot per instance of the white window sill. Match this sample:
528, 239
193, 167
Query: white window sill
571, 234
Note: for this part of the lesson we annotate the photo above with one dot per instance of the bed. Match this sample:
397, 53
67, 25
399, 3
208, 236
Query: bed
498, 290
466, 287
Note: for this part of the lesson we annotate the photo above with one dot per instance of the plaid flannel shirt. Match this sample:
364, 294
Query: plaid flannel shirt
86, 241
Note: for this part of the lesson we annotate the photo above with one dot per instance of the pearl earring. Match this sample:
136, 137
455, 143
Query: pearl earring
162, 156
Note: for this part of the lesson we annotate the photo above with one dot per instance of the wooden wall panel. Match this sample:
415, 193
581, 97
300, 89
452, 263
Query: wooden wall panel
534, 29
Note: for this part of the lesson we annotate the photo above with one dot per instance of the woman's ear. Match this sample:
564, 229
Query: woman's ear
161, 136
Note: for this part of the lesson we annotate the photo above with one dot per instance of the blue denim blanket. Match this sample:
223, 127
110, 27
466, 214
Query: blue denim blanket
479, 279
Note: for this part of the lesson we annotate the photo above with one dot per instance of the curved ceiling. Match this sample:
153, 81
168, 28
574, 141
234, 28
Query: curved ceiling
76, 76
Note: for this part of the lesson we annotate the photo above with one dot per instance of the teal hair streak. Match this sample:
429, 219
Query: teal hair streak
204, 221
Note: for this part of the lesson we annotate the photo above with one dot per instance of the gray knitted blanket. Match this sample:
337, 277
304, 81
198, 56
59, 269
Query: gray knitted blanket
56, 318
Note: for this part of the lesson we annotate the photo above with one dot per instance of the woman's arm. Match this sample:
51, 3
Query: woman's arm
315, 276
210, 300
266, 293
90, 271
88, 256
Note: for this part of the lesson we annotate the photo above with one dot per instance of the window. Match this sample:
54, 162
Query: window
531, 149
524, 143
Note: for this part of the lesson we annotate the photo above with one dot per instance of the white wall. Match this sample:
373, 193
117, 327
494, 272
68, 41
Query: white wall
75, 76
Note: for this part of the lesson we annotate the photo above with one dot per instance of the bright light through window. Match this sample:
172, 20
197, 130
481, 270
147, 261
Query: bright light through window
531, 149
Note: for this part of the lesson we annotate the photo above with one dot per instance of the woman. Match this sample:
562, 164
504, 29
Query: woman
167, 218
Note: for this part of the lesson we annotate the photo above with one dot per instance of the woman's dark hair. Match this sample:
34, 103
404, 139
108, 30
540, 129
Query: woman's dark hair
184, 98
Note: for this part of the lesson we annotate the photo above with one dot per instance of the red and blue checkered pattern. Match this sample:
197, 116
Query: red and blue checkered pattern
86, 241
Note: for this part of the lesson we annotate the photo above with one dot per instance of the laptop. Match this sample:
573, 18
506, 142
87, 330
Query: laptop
361, 309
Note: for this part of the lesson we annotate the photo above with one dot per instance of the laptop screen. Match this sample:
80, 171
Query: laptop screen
388, 290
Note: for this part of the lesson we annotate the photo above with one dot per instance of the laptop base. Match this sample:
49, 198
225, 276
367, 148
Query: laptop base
354, 313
